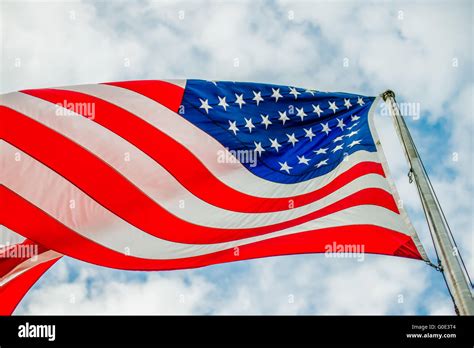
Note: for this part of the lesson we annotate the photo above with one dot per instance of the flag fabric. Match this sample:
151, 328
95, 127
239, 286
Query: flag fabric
22, 262
162, 175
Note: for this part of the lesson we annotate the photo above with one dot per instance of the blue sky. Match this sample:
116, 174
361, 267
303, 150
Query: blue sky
423, 51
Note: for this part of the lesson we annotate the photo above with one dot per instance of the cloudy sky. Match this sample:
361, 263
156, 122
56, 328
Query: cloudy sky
423, 51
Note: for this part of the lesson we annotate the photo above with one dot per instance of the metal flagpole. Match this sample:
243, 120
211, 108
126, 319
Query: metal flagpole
448, 255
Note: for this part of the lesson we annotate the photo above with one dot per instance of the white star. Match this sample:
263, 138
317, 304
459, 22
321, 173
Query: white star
240, 100
354, 118
301, 113
265, 120
317, 110
283, 117
285, 167
332, 106
276, 94
360, 101
205, 105
258, 148
312, 91
294, 92
257, 97
309, 133
355, 124
354, 143
303, 160
275, 144
249, 124
292, 139
233, 127
347, 103
322, 163
340, 124
321, 151
338, 139
223, 103
337, 148
326, 128
352, 133
213, 82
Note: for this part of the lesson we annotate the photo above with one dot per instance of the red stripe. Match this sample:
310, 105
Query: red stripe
152, 142
30, 221
12, 292
7, 263
163, 92
103, 184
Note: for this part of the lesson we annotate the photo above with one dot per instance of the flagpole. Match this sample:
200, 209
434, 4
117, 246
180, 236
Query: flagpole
448, 255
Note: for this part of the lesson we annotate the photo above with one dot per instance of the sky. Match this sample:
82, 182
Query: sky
421, 50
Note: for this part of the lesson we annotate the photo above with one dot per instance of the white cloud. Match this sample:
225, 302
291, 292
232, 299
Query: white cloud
96, 292
282, 285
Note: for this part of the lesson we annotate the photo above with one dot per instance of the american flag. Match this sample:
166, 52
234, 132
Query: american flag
162, 175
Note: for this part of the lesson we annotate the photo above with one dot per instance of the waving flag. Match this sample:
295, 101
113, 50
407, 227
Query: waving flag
161, 175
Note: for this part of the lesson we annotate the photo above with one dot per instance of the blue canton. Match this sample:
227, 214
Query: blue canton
296, 134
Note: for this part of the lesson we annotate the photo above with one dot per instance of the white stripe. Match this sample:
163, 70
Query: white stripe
180, 83
27, 265
206, 148
7, 236
96, 223
158, 184
177, 82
